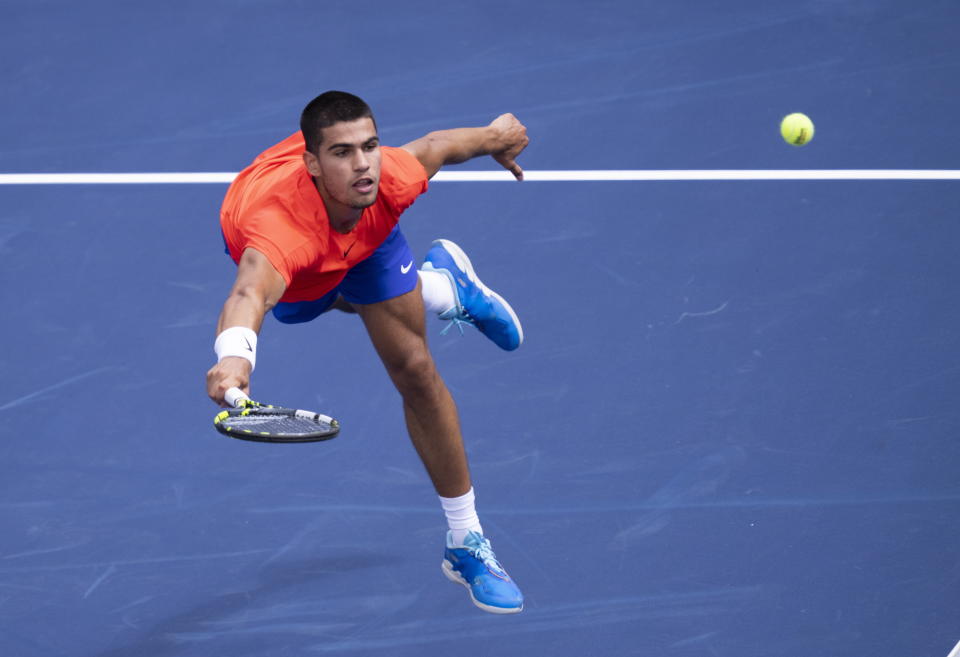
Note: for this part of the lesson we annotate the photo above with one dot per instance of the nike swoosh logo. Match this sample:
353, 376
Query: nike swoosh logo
247, 342
345, 253
404, 270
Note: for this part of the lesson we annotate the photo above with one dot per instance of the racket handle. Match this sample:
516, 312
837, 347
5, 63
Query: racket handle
235, 397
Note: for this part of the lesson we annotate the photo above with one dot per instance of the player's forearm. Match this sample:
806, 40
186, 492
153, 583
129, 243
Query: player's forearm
257, 289
503, 139
462, 144
246, 307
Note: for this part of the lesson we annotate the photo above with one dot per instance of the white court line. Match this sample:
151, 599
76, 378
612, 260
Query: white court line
112, 178
499, 176
707, 174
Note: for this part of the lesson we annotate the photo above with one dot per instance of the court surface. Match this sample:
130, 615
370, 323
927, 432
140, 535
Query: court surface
731, 431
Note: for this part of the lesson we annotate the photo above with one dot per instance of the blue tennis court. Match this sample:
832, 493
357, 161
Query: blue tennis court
732, 427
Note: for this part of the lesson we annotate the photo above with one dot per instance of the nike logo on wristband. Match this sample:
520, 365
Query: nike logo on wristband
237, 342
404, 270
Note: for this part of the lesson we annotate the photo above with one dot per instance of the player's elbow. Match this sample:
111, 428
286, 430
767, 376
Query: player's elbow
252, 296
443, 149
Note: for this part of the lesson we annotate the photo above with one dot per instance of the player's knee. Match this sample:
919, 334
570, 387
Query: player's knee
415, 374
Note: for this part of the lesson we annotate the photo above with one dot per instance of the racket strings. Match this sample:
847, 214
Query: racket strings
278, 424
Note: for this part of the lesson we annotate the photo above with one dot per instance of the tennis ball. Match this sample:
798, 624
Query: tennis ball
796, 128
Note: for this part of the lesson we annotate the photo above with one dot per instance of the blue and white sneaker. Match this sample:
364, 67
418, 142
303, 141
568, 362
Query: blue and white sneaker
475, 566
475, 303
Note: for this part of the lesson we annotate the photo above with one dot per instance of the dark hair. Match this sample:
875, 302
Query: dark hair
328, 108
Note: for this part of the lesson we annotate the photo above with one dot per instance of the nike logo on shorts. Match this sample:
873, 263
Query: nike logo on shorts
404, 270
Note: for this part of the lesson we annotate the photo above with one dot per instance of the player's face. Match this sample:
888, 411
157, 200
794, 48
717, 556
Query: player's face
347, 168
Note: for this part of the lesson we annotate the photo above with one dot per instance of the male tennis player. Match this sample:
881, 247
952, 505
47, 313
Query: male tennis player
313, 226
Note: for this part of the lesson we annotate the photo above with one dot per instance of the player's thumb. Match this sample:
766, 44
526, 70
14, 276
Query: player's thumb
511, 165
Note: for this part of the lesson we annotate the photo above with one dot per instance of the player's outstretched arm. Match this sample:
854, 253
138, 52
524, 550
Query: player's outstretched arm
504, 139
257, 289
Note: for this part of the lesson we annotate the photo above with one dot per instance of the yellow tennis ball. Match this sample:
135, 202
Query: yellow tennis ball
796, 128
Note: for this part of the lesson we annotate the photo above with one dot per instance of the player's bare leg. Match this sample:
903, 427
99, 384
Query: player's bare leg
398, 331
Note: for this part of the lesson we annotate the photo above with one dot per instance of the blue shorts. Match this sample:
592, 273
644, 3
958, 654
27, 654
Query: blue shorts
386, 273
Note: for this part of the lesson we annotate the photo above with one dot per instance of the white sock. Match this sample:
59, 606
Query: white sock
437, 292
461, 516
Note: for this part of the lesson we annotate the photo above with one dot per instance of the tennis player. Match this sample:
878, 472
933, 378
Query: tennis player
312, 224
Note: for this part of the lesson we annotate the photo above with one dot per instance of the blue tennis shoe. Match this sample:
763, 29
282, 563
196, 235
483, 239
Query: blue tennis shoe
475, 566
476, 304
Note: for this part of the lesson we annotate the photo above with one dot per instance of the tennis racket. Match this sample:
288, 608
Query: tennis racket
263, 423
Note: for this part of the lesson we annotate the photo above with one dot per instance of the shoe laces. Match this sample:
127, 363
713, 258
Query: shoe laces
482, 551
458, 321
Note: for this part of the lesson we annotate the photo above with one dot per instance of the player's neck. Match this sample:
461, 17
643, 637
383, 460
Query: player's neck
344, 219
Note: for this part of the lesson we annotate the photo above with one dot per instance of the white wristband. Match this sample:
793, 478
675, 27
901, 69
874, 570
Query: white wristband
237, 341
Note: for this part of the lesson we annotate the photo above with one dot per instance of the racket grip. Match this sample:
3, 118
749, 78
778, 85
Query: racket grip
235, 397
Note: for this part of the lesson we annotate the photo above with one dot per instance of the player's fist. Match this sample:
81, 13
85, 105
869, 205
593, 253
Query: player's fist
231, 372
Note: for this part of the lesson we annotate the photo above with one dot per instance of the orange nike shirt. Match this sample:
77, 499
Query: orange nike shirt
274, 207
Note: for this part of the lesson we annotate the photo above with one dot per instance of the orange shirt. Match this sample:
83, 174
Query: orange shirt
274, 207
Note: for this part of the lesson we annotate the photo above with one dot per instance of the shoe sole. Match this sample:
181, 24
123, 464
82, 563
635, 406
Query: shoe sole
456, 578
464, 263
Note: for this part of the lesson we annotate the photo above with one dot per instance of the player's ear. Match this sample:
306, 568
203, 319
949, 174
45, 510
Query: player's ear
313, 164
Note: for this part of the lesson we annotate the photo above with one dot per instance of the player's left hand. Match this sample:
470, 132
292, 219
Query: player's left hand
513, 137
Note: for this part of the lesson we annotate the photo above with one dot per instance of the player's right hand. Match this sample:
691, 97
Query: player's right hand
231, 372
